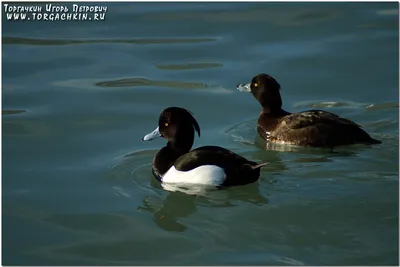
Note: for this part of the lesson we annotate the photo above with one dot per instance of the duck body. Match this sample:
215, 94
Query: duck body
207, 165
315, 128
212, 165
312, 128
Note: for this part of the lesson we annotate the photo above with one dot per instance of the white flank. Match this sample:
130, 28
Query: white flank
190, 189
205, 175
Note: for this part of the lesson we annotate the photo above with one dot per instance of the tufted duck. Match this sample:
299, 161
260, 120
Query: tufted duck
207, 165
315, 128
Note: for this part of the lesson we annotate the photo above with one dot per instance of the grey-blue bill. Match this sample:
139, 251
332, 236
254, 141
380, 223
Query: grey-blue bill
153, 135
243, 87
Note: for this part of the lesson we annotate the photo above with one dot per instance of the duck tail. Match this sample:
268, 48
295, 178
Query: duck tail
259, 165
370, 141
374, 141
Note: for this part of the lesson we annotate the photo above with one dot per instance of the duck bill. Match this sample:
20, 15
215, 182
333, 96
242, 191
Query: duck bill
153, 135
242, 87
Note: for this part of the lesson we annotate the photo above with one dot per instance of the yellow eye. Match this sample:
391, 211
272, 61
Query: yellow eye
166, 124
255, 84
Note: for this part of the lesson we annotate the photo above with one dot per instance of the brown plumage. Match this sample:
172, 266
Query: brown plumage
315, 128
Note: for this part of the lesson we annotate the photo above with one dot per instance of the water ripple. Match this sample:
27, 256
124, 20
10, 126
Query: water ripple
383, 106
328, 104
129, 82
138, 41
188, 66
12, 111
347, 104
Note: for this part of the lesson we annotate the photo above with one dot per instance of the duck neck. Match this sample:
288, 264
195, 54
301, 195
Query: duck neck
271, 104
278, 112
182, 141
175, 148
179, 147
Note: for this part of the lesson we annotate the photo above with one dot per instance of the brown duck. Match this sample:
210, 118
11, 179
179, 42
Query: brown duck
316, 128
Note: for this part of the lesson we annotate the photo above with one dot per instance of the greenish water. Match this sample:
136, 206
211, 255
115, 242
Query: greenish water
78, 97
